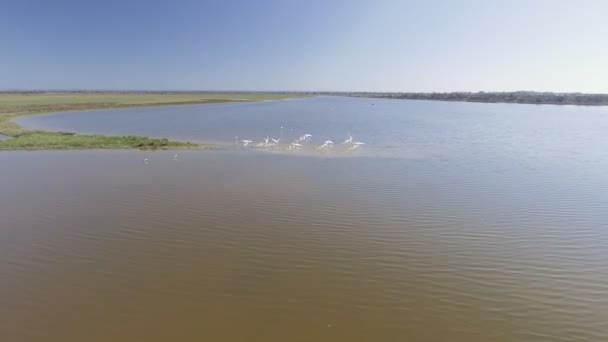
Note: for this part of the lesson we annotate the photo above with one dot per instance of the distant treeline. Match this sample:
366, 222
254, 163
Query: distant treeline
530, 97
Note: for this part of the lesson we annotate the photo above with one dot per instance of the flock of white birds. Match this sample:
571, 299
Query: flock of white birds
306, 139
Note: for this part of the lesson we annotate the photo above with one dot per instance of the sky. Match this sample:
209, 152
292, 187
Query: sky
312, 45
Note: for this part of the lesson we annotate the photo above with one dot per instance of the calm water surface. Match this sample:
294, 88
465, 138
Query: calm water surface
455, 222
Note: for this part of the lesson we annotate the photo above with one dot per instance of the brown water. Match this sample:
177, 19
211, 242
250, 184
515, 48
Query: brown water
229, 246
476, 226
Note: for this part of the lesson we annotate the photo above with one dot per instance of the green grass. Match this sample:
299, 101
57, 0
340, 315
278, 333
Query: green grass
13, 105
37, 140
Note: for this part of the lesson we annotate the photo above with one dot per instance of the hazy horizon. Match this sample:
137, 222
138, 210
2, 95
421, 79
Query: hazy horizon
275, 91
341, 46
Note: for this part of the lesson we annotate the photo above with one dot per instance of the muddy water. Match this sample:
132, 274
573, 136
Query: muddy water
458, 243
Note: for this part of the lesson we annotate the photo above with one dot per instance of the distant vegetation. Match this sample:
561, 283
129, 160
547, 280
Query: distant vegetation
529, 97
13, 104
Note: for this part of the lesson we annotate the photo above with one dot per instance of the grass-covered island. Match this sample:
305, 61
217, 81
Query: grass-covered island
524, 97
13, 104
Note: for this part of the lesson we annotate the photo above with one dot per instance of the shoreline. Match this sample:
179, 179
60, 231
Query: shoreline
19, 138
478, 101
517, 97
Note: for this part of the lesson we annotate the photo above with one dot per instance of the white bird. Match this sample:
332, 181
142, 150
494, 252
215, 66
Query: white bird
327, 144
175, 156
145, 160
274, 141
349, 140
356, 145
305, 137
246, 142
265, 143
294, 145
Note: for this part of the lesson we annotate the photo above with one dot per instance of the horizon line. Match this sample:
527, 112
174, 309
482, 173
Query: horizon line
101, 90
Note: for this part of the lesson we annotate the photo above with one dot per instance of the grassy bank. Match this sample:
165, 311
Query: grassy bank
38, 140
13, 105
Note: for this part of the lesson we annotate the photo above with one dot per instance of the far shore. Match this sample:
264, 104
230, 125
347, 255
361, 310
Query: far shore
13, 105
515, 97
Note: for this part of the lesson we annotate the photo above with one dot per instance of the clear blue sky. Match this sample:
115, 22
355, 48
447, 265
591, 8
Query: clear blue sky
375, 45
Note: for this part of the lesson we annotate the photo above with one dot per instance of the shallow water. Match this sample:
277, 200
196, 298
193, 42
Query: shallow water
485, 229
392, 128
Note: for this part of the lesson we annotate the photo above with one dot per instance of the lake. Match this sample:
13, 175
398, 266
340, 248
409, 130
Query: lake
453, 222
